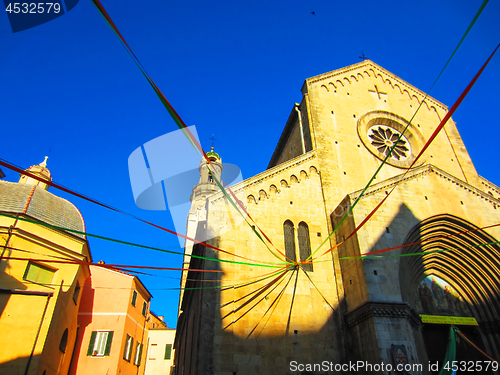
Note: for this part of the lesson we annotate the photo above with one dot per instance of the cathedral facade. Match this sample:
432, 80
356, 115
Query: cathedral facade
268, 309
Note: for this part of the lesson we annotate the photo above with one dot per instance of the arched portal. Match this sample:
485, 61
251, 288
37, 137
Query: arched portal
455, 273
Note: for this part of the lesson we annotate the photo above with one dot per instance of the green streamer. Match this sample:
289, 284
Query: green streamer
273, 265
450, 356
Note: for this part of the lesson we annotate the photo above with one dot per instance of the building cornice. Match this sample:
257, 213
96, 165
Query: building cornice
346, 74
423, 171
392, 310
266, 175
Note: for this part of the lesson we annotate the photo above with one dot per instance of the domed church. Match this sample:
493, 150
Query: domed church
39, 299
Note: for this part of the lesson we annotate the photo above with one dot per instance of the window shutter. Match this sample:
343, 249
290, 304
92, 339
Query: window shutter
108, 343
134, 298
140, 354
125, 349
289, 240
92, 341
168, 351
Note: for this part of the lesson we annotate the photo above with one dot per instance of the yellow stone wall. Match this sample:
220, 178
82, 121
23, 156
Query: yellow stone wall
21, 319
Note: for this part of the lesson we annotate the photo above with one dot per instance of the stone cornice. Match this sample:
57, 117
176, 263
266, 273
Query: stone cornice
490, 186
370, 64
421, 172
267, 174
383, 310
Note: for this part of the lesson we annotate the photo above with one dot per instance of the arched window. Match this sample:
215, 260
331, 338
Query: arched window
64, 341
289, 240
304, 245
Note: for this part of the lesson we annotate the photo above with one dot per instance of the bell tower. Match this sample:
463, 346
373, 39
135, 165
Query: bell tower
196, 226
207, 184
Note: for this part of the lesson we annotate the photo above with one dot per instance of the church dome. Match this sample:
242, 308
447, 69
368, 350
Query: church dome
31, 198
39, 204
213, 156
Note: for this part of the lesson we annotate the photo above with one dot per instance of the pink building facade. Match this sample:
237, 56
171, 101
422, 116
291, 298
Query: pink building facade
112, 333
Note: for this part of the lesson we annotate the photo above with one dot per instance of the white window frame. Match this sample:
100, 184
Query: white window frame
138, 352
101, 339
153, 351
128, 348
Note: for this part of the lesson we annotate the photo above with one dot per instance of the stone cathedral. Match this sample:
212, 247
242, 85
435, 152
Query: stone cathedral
386, 308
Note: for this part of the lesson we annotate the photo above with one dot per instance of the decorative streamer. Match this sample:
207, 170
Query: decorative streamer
114, 209
451, 353
144, 246
478, 13
477, 348
433, 136
416, 243
111, 266
181, 124
274, 303
279, 278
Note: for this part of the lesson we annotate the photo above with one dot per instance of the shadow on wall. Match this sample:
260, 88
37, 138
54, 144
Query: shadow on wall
7, 281
20, 366
270, 345
453, 275
384, 291
87, 306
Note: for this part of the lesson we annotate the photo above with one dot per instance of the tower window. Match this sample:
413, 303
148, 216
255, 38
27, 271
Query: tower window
64, 341
304, 246
76, 292
289, 232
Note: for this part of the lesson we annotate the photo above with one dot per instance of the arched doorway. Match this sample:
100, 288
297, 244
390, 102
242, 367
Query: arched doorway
452, 277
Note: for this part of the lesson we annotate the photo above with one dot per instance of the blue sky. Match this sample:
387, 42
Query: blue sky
69, 90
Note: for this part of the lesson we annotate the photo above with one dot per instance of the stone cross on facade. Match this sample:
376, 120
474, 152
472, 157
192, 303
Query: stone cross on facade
379, 94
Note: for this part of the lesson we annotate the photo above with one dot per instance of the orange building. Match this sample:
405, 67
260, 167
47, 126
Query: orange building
112, 324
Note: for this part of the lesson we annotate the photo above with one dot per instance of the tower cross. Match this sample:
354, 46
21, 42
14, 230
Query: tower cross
212, 138
377, 92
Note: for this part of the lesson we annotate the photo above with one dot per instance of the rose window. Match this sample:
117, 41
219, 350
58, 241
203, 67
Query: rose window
383, 138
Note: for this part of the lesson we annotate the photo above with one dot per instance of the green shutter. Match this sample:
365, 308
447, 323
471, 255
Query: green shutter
134, 298
108, 343
140, 354
92, 341
125, 349
168, 351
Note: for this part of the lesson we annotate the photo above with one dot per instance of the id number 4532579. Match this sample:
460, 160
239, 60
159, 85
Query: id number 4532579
471, 365
33, 8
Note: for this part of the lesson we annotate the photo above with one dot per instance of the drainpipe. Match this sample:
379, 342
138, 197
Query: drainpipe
301, 128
